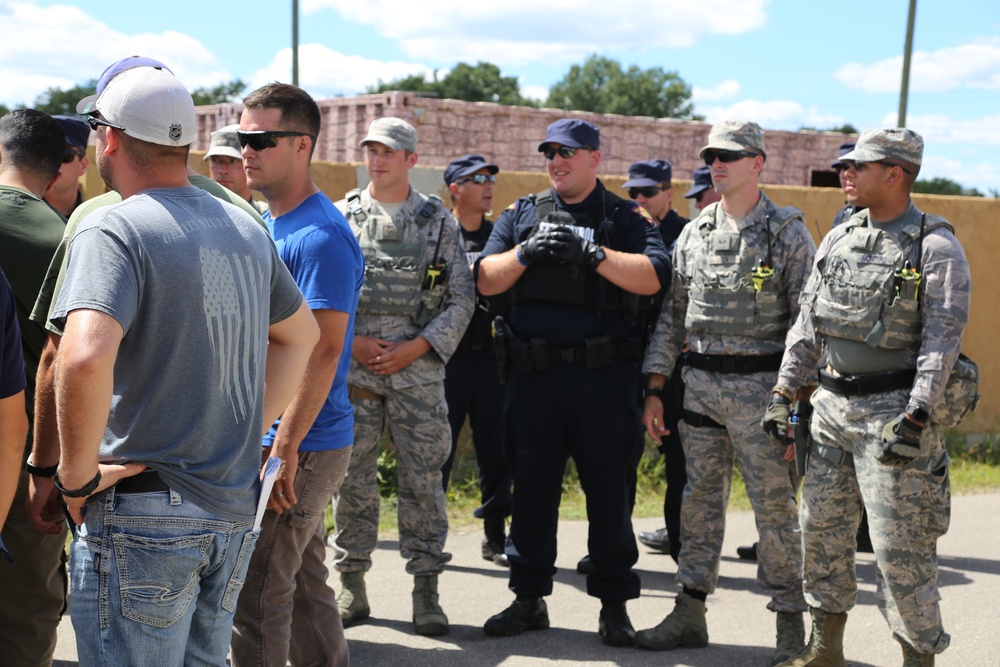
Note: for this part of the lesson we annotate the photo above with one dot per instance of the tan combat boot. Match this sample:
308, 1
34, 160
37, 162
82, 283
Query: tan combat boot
913, 659
791, 636
826, 645
684, 626
353, 600
427, 613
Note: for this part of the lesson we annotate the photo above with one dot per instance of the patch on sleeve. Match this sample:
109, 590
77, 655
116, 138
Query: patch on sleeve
645, 214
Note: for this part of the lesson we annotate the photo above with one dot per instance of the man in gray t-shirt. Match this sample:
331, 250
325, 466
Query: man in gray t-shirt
171, 301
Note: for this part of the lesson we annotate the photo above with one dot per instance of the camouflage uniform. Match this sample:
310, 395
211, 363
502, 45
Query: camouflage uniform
734, 401
410, 402
908, 505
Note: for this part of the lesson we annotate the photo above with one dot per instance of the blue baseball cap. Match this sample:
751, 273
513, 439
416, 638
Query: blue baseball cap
86, 105
702, 182
844, 150
648, 173
466, 165
77, 131
572, 132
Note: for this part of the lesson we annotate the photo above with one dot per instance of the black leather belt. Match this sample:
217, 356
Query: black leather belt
145, 482
699, 420
731, 363
870, 383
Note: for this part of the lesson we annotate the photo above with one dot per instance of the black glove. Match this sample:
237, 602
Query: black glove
775, 421
546, 244
579, 250
900, 440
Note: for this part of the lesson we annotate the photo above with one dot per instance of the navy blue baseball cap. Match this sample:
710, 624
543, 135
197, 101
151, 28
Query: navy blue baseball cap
702, 182
86, 105
77, 131
648, 173
572, 132
465, 166
844, 150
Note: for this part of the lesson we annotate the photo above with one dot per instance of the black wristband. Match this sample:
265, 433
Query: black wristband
83, 491
652, 391
32, 469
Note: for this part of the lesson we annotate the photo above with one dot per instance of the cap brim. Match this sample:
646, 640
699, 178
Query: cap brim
562, 139
468, 171
385, 141
694, 191
86, 105
225, 151
861, 155
640, 183
722, 146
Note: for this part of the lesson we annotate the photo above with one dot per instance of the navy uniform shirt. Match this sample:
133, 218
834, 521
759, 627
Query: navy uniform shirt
633, 230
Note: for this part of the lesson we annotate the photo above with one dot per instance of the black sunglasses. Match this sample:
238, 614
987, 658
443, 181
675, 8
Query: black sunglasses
261, 140
478, 179
565, 152
647, 193
73, 152
727, 156
96, 122
859, 166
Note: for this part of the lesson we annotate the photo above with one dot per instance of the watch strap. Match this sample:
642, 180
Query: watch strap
83, 491
37, 471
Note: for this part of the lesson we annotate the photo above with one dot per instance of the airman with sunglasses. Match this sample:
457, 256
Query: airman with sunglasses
577, 257
739, 268
841, 168
887, 303
64, 193
702, 191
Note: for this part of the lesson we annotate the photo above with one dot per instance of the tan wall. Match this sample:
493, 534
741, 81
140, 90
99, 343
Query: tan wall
975, 220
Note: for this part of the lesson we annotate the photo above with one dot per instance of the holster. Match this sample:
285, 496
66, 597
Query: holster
502, 337
802, 413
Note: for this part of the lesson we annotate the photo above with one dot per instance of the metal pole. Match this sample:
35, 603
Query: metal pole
904, 91
295, 42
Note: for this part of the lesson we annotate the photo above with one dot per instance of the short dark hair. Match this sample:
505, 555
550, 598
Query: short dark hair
299, 111
146, 155
32, 141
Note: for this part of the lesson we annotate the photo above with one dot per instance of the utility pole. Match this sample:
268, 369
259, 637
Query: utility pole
904, 91
295, 42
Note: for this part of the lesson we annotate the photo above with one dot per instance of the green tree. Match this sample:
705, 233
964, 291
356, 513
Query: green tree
224, 92
944, 186
602, 86
62, 101
482, 82
4, 109
414, 82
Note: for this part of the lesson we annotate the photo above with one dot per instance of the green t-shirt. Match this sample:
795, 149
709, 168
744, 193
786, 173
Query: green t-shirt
52, 284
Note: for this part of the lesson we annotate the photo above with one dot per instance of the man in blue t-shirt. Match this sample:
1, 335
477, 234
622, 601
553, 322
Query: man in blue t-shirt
287, 611
13, 419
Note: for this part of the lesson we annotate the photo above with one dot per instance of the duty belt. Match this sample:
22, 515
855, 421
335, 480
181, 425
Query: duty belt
699, 420
870, 383
537, 355
832, 454
731, 363
148, 481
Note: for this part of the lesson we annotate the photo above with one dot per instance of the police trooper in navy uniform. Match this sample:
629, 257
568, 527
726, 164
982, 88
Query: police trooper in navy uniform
577, 257
472, 383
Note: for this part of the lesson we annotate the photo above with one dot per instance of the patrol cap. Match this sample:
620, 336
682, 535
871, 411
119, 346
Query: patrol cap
77, 131
149, 104
86, 105
735, 135
572, 132
702, 182
225, 142
648, 173
844, 150
395, 133
466, 165
896, 145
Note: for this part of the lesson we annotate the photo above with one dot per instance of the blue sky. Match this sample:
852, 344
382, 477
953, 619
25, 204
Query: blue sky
784, 63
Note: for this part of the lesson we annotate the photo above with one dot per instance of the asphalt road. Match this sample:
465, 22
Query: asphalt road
741, 630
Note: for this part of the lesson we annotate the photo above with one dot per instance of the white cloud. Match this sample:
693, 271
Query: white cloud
499, 32
773, 114
327, 73
726, 90
40, 41
535, 92
974, 65
942, 129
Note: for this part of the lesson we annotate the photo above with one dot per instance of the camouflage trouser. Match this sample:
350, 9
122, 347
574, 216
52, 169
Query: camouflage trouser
737, 402
417, 418
908, 507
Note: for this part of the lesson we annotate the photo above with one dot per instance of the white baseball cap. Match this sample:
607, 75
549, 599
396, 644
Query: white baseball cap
150, 104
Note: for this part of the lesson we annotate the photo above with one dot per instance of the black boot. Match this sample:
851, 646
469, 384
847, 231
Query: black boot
525, 613
614, 626
493, 544
585, 566
747, 553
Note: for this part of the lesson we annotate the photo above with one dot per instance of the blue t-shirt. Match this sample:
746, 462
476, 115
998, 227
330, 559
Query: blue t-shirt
11, 359
322, 254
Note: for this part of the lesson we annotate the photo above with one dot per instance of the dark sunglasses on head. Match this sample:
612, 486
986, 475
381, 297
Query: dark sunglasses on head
726, 156
647, 193
260, 140
478, 179
96, 122
73, 152
565, 152
859, 166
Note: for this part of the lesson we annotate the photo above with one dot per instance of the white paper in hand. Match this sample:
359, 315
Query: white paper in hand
266, 484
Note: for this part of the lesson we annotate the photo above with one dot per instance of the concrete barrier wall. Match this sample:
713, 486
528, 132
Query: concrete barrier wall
974, 218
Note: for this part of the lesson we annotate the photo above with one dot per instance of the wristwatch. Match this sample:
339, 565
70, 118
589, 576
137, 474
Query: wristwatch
599, 256
32, 469
83, 491
652, 391
920, 416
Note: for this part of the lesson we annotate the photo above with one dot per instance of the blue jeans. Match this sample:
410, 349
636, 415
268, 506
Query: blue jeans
154, 581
